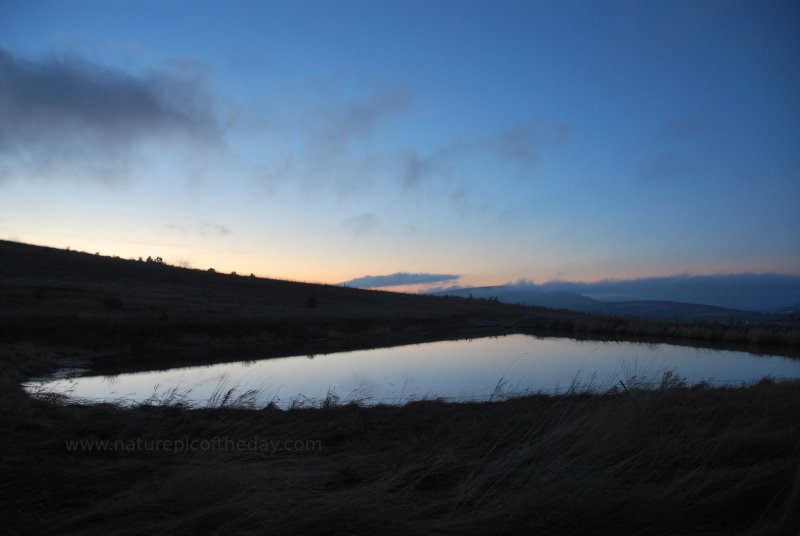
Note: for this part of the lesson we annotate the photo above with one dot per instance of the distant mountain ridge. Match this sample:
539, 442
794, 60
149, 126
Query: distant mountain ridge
759, 292
791, 309
655, 309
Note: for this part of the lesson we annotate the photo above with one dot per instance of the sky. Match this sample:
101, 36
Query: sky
466, 143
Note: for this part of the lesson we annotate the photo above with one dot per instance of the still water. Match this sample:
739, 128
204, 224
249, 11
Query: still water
489, 368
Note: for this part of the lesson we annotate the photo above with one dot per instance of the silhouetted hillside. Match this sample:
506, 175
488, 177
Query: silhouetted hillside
119, 314
149, 307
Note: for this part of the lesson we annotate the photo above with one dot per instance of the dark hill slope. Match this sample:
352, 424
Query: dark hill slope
117, 314
157, 312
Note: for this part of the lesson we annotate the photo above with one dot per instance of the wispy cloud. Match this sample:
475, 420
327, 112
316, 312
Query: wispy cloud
523, 143
359, 116
520, 144
64, 116
398, 279
415, 168
339, 143
328, 135
684, 128
663, 166
361, 224
202, 229
213, 228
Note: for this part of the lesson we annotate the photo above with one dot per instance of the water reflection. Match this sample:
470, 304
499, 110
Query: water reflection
490, 368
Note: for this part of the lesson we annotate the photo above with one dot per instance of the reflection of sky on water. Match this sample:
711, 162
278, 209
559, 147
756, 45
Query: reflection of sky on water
460, 370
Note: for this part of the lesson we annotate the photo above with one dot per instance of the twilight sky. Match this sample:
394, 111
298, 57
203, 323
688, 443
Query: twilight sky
461, 142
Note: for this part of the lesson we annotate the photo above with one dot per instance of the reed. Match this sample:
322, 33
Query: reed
648, 457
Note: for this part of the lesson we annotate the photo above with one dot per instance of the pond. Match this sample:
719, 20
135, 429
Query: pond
491, 368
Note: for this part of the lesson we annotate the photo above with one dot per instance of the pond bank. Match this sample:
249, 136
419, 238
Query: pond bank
674, 459
475, 369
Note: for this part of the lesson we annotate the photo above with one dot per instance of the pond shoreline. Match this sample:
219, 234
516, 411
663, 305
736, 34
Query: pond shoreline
474, 369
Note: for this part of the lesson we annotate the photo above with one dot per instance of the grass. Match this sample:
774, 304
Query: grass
669, 459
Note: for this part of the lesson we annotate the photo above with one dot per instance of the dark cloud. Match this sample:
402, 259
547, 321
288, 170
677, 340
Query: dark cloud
397, 279
64, 116
361, 224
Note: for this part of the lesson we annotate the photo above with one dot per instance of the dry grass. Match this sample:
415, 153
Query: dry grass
664, 460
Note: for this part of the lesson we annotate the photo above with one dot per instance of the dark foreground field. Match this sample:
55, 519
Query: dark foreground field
664, 461
671, 459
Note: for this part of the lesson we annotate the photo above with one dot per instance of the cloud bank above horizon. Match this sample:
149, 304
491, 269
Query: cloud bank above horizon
397, 279
737, 291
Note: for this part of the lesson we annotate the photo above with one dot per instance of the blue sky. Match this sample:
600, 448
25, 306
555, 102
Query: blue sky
327, 141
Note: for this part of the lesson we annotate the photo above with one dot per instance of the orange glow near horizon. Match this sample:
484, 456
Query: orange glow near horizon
336, 271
